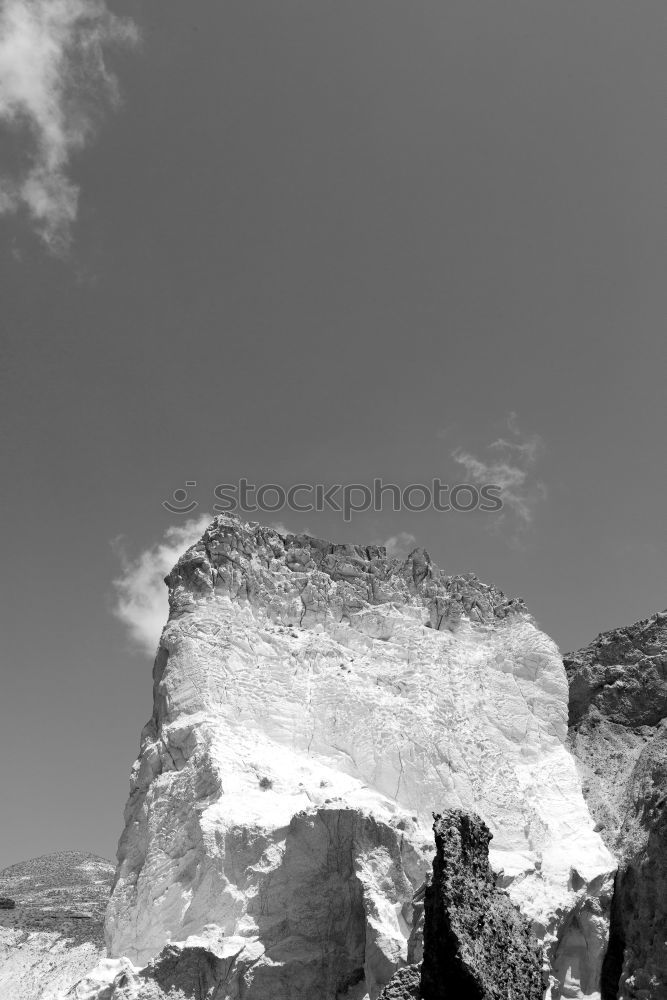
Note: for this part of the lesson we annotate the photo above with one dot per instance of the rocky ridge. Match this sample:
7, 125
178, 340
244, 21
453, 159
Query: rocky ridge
314, 704
618, 732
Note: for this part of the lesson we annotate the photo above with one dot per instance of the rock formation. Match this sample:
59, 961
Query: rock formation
618, 731
314, 704
477, 946
405, 984
53, 932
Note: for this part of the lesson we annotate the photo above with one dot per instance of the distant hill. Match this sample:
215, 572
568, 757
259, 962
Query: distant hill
55, 933
61, 881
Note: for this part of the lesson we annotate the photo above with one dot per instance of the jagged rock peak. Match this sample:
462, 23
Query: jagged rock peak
477, 946
304, 579
622, 675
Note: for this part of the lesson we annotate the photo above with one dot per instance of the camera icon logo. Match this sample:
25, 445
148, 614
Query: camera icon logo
178, 503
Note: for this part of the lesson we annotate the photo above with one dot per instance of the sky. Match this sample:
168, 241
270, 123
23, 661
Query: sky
313, 242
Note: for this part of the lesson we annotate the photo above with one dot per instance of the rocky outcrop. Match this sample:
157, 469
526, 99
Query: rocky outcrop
197, 969
477, 946
53, 932
618, 731
314, 704
405, 984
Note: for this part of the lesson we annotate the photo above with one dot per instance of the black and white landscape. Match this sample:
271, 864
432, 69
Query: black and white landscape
332, 376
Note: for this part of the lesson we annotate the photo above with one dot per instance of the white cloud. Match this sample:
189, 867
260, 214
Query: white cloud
53, 86
141, 595
401, 545
512, 468
527, 446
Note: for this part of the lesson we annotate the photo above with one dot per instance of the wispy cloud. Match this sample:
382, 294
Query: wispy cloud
511, 465
140, 592
401, 545
54, 86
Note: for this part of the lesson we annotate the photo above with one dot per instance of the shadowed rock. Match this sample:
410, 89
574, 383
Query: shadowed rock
618, 731
477, 946
404, 985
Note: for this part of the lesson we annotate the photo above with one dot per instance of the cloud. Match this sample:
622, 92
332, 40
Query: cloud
511, 466
140, 592
526, 446
401, 545
54, 86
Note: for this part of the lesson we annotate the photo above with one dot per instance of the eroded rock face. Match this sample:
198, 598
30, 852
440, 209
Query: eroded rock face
477, 945
196, 969
314, 705
618, 731
53, 931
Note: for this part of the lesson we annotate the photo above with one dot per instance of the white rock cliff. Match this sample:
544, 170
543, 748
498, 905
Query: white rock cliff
314, 704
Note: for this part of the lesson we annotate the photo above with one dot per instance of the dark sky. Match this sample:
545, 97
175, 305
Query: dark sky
323, 242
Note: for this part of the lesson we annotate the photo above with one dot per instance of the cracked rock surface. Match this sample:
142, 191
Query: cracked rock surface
618, 732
